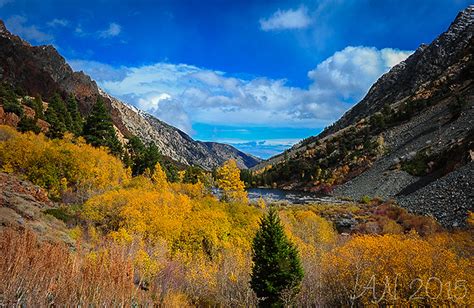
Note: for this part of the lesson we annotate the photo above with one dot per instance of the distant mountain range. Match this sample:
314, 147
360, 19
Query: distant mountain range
41, 70
410, 138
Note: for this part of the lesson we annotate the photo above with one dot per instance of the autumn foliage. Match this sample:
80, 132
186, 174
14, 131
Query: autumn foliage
228, 180
65, 167
144, 241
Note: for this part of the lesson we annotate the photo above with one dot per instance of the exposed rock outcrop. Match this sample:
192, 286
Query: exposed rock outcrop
424, 159
41, 70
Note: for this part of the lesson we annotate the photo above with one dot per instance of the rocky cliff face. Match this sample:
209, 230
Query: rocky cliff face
410, 138
431, 68
41, 70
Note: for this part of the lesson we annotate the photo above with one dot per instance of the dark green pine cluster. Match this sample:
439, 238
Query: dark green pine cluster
63, 116
142, 158
277, 272
99, 129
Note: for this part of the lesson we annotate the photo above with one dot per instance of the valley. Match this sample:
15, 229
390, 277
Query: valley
105, 204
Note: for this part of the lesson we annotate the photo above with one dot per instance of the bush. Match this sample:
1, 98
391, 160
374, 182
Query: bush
67, 166
366, 269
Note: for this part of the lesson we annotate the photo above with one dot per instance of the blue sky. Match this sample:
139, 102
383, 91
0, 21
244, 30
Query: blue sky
260, 75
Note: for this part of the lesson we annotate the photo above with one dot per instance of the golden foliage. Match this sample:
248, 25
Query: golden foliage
395, 270
228, 180
150, 214
154, 243
64, 167
159, 177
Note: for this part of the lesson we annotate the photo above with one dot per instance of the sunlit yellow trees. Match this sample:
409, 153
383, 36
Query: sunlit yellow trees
395, 270
149, 214
228, 180
67, 167
159, 177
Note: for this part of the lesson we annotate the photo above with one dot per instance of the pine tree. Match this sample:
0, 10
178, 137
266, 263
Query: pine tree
277, 267
76, 119
9, 100
28, 124
57, 128
38, 107
99, 129
57, 117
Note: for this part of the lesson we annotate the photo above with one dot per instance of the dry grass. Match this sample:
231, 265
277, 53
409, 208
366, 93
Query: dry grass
44, 274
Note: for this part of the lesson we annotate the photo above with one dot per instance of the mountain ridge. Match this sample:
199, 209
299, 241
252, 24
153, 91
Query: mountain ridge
41, 70
410, 138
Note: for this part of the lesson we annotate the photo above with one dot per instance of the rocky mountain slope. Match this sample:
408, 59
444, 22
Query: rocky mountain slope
410, 138
41, 70
26, 206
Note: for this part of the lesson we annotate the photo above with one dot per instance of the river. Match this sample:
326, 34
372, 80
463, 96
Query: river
292, 197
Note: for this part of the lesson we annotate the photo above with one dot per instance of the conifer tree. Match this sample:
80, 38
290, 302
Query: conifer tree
9, 100
28, 124
54, 115
76, 119
99, 129
38, 107
277, 267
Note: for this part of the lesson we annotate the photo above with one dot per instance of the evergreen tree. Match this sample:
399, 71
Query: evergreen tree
193, 174
76, 119
134, 153
28, 124
99, 129
147, 159
54, 115
277, 267
9, 100
37, 105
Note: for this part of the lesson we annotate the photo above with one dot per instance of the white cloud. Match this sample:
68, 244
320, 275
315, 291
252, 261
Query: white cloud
349, 73
58, 22
183, 94
98, 70
17, 25
290, 19
114, 29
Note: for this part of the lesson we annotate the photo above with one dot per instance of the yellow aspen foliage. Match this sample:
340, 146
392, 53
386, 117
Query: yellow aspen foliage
146, 265
205, 229
152, 215
396, 270
228, 180
63, 167
159, 177
194, 191
310, 232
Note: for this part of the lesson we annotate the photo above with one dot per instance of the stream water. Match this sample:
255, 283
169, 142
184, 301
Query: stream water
287, 196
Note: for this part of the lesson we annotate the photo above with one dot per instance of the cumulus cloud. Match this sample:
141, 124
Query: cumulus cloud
17, 25
183, 94
114, 29
289, 19
58, 22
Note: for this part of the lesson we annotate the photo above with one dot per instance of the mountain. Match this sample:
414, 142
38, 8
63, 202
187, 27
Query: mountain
410, 138
41, 70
